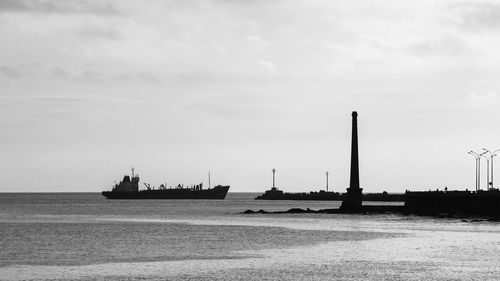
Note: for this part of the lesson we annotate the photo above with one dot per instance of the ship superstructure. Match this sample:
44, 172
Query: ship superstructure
128, 184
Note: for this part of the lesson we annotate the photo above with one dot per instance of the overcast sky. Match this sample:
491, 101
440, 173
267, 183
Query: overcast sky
89, 89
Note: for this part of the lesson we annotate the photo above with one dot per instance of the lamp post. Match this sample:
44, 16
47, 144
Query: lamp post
274, 172
487, 169
478, 170
492, 154
327, 181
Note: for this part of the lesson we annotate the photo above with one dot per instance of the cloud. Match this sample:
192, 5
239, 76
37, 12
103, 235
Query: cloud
478, 15
68, 97
67, 6
268, 65
61, 73
232, 110
486, 97
93, 31
9, 72
439, 46
255, 43
94, 77
25, 70
144, 77
87, 76
218, 48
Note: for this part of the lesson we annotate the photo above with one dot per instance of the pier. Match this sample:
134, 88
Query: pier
430, 203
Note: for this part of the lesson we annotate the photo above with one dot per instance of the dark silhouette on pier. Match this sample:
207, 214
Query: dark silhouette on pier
352, 199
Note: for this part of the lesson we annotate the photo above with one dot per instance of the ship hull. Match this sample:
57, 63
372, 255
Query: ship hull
214, 193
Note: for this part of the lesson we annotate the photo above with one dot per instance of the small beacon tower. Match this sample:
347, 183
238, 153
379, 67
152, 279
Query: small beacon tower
352, 199
274, 186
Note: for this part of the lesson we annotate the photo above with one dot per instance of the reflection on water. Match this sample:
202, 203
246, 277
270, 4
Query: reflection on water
83, 236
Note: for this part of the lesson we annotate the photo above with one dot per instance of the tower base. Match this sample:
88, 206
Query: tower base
352, 200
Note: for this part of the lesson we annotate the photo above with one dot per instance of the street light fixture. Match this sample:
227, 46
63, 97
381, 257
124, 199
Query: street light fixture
327, 181
274, 172
487, 170
478, 170
492, 154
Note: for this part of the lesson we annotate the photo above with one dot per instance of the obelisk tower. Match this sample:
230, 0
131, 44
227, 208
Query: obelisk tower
352, 199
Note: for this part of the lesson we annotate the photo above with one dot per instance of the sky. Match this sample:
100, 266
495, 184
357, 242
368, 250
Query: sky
176, 88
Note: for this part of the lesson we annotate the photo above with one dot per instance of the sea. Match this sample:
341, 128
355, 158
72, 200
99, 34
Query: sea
83, 236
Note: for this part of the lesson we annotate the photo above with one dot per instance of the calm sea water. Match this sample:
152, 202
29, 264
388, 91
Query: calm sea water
86, 237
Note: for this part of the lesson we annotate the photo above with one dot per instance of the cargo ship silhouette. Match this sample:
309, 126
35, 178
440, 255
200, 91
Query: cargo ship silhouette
128, 188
